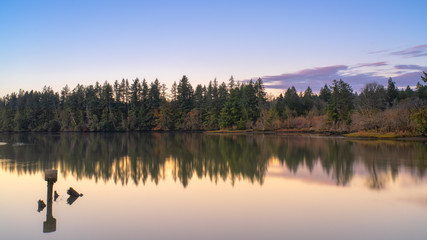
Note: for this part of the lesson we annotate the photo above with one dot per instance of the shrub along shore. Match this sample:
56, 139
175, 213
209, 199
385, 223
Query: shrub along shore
376, 111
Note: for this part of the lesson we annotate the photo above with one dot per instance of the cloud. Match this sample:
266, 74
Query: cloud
408, 79
417, 51
411, 67
379, 51
358, 81
375, 64
318, 77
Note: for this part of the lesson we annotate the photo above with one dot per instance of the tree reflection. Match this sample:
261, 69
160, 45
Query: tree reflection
142, 157
339, 161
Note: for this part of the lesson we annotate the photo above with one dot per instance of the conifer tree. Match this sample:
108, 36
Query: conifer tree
341, 102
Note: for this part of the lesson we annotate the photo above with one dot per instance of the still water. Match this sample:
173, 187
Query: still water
206, 186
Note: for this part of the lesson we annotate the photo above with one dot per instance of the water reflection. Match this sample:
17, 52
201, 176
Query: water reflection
50, 224
51, 177
139, 157
73, 196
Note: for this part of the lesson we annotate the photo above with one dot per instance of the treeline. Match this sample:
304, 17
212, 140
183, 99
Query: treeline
142, 106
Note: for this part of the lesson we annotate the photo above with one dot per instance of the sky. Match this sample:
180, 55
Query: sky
301, 43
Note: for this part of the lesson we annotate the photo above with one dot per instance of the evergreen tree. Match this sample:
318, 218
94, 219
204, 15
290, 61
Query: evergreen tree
231, 83
325, 93
250, 101
185, 95
308, 100
421, 90
151, 105
184, 99
135, 104
281, 106
293, 101
199, 97
260, 93
409, 93
107, 121
154, 95
341, 102
174, 91
222, 96
135, 94
424, 78
391, 93
93, 111
233, 114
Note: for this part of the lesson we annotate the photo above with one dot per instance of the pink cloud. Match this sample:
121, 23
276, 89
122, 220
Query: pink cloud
379, 51
313, 73
411, 67
375, 64
417, 51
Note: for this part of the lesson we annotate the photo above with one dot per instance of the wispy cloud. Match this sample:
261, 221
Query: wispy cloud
379, 51
417, 51
411, 67
375, 64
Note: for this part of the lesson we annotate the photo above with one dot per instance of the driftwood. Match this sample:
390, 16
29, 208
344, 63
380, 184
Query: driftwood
73, 193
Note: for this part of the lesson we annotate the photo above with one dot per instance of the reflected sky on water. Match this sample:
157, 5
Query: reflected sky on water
212, 186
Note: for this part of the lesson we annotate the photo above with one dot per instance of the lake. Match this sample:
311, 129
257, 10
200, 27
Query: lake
212, 186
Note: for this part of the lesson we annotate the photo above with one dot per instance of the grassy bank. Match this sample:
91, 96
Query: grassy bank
359, 134
372, 134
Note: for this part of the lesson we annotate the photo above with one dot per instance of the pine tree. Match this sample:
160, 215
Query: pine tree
325, 93
391, 93
250, 101
231, 83
281, 106
233, 114
421, 90
293, 101
185, 95
260, 93
307, 100
424, 78
340, 104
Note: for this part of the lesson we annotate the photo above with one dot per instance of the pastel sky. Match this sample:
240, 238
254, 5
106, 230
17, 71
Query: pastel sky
299, 43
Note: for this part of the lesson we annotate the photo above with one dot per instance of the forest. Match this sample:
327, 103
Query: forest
141, 106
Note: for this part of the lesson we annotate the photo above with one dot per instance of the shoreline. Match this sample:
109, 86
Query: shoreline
290, 132
344, 134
